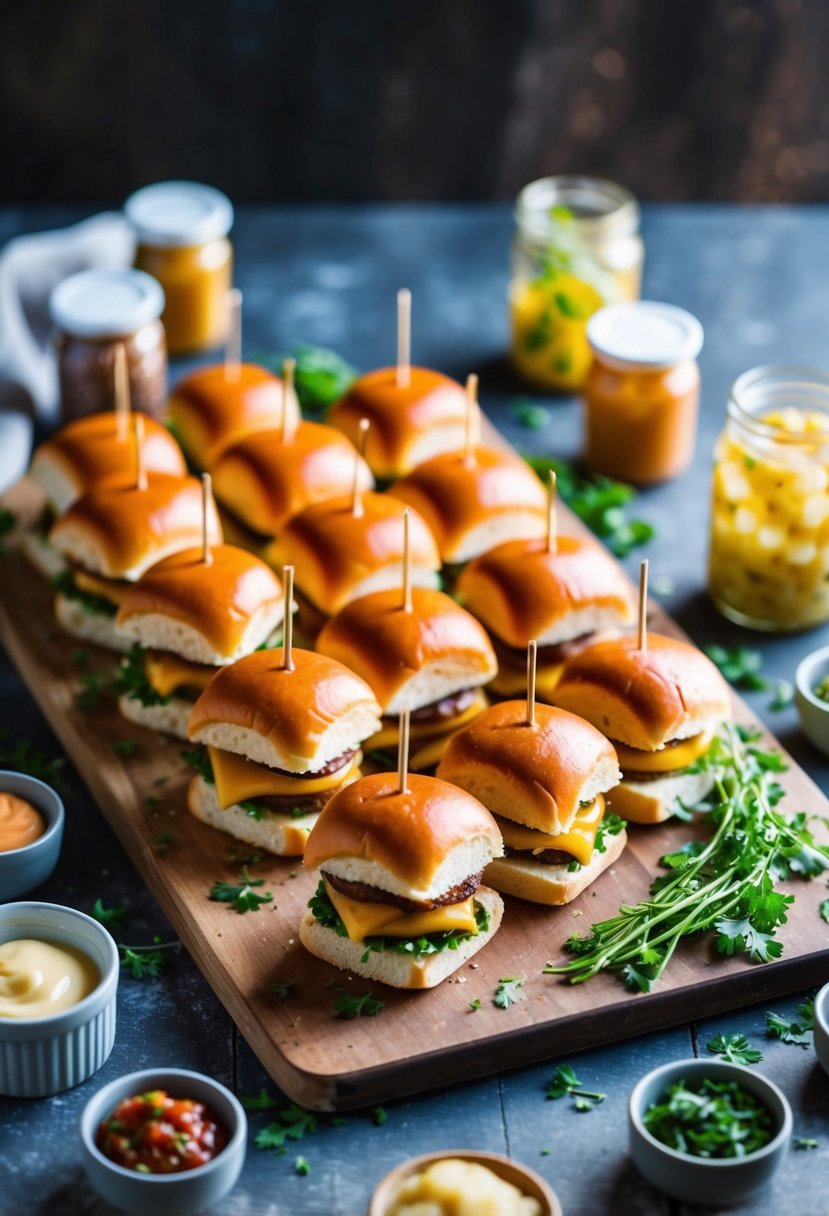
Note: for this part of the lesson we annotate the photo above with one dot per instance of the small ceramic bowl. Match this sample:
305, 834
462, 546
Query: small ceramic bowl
165, 1194
814, 713
42, 1056
525, 1179
21, 870
821, 1032
699, 1179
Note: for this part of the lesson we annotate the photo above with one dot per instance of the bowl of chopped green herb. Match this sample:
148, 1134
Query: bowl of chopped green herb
811, 694
821, 1027
708, 1131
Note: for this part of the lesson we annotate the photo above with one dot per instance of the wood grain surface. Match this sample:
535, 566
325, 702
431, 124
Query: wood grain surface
420, 1040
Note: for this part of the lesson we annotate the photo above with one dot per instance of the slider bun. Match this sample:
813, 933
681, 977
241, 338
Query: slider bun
552, 885
207, 408
207, 613
120, 531
292, 720
40, 554
408, 425
264, 481
645, 699
389, 967
521, 592
277, 832
89, 450
169, 719
410, 659
535, 775
93, 627
340, 557
654, 801
473, 505
418, 844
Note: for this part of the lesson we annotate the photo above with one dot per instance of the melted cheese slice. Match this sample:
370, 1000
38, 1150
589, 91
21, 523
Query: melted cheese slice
389, 736
667, 759
238, 779
579, 840
509, 682
364, 920
167, 672
110, 589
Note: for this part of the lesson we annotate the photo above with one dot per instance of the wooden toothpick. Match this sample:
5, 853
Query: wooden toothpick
288, 415
532, 656
233, 349
206, 500
288, 619
403, 754
642, 641
121, 388
469, 420
552, 529
404, 338
359, 456
407, 564
138, 437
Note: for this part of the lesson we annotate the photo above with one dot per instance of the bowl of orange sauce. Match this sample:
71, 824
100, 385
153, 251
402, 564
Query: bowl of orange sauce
31, 833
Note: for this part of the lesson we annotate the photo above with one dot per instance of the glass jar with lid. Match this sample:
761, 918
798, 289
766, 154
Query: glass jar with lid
182, 232
642, 391
94, 312
576, 248
768, 565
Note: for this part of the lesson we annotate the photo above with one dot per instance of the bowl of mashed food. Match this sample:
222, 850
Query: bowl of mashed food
462, 1183
58, 981
31, 833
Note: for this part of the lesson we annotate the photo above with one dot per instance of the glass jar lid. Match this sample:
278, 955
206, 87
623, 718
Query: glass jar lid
644, 335
179, 214
106, 303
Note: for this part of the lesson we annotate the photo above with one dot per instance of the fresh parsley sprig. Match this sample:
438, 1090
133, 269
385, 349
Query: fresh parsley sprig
358, 1006
735, 1048
796, 1030
242, 895
510, 991
742, 666
565, 1084
725, 885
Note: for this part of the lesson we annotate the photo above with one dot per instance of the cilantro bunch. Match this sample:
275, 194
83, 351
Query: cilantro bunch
725, 885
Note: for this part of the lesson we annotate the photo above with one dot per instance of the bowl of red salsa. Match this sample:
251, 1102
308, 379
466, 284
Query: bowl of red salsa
164, 1142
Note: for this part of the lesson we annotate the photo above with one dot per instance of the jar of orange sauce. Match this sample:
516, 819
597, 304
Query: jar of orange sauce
642, 391
182, 232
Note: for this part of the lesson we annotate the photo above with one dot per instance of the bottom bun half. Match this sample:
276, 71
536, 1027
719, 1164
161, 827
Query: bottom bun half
170, 719
282, 835
89, 626
552, 885
399, 970
653, 801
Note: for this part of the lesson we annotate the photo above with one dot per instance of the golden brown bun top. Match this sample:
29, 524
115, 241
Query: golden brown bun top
456, 495
520, 591
541, 772
264, 481
408, 834
387, 646
217, 599
332, 549
119, 531
291, 710
92, 449
644, 699
398, 415
208, 408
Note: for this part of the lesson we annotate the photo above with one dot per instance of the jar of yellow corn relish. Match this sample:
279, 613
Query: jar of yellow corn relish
576, 248
769, 552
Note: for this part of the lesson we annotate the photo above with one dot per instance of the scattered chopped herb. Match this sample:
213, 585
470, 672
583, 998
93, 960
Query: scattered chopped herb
823, 909
302, 1167
321, 376
726, 885
198, 759
80, 657
475, 1004
261, 1101
131, 680
740, 665
713, 1119
379, 1116
281, 989
527, 414
241, 895
8, 520
611, 825
805, 1142
95, 605
93, 687
350, 1007
107, 916
152, 801
124, 747
291, 1123
510, 991
162, 843
797, 1031
735, 1048
146, 962
783, 696
24, 757
565, 1084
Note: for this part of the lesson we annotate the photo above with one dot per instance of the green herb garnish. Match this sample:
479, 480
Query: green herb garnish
379, 1116
527, 414
565, 1084
95, 605
350, 1007
24, 757
510, 991
735, 1048
804, 1142
823, 909
712, 1119
281, 990
131, 679
124, 747
598, 501
797, 1031
198, 758
107, 916
611, 825
475, 1004
146, 962
321, 376
93, 687
742, 666
241, 895
302, 1167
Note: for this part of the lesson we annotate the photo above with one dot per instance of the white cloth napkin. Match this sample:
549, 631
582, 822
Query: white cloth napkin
30, 266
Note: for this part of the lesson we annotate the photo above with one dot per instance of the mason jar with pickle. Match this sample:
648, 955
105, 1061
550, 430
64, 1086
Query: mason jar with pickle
769, 551
576, 248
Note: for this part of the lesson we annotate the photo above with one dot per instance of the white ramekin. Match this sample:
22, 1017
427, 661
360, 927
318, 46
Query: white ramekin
42, 1056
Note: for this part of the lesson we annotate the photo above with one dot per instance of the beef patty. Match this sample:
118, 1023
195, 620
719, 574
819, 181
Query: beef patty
367, 894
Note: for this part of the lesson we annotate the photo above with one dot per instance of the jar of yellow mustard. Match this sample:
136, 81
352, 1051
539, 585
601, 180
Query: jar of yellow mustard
576, 248
769, 551
182, 233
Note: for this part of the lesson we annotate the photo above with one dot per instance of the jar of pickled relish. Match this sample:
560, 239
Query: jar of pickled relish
769, 552
182, 232
576, 248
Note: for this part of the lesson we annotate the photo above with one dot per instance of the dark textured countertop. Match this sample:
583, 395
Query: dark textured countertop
756, 279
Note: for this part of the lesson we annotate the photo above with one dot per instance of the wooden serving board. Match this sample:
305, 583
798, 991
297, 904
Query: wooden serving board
420, 1040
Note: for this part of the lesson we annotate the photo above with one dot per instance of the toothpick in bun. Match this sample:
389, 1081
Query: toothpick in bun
660, 707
